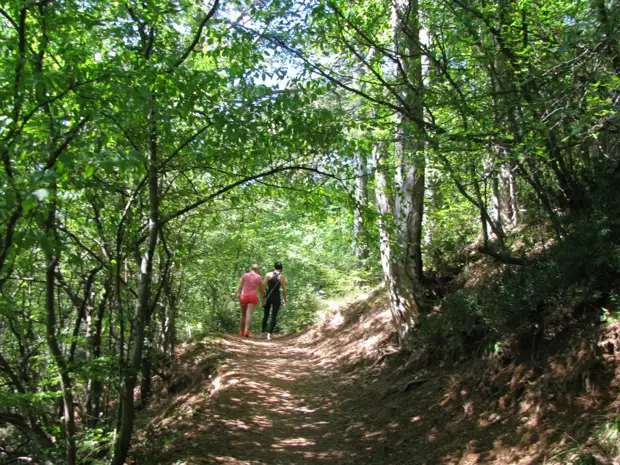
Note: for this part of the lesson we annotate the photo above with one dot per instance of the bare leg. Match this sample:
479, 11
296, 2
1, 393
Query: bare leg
248, 316
244, 309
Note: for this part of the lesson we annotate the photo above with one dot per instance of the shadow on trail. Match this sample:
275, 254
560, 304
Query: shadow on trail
273, 403
334, 395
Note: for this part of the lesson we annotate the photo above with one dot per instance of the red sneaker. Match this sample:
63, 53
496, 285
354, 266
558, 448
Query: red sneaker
241, 333
247, 334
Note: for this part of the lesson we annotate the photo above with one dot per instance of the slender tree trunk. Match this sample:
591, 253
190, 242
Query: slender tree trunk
165, 325
171, 333
497, 216
51, 263
608, 21
147, 368
361, 203
607, 143
95, 385
508, 207
508, 195
532, 177
52, 253
483, 212
128, 383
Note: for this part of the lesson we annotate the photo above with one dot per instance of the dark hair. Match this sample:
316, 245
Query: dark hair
278, 266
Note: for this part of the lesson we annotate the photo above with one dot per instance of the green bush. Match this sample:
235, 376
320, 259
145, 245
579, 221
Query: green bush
510, 301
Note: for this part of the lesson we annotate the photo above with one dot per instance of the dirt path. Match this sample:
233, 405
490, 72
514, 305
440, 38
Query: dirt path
330, 396
274, 402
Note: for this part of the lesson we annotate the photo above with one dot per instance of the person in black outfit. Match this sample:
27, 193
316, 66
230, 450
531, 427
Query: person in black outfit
274, 281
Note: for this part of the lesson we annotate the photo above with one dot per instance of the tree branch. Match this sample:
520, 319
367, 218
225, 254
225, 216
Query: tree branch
82, 302
68, 138
240, 182
188, 141
327, 74
198, 34
23, 424
7, 243
9, 19
81, 244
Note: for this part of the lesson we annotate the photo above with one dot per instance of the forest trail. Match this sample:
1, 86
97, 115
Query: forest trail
281, 403
296, 399
335, 394
275, 402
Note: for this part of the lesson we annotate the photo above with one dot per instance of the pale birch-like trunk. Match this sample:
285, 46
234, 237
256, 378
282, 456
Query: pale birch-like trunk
410, 140
508, 195
409, 152
361, 203
402, 302
400, 201
505, 193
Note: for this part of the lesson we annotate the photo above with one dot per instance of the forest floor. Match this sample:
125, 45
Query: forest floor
332, 395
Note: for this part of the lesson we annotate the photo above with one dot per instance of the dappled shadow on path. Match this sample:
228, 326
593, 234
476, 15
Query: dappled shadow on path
271, 403
334, 395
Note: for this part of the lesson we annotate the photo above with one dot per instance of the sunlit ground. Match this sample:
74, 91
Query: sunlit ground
322, 397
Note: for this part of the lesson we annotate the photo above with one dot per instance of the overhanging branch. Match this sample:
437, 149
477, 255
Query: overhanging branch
242, 181
198, 34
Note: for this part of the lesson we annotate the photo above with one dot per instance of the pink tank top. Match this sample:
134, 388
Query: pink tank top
250, 281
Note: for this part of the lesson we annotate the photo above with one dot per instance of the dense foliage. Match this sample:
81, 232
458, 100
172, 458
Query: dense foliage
151, 151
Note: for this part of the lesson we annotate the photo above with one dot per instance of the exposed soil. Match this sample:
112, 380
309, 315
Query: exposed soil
339, 393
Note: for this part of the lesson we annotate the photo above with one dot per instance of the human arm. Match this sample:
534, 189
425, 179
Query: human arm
263, 284
238, 291
283, 284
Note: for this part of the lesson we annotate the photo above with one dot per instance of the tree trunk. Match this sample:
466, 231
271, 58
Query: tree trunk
409, 200
402, 303
361, 203
410, 138
95, 386
497, 216
51, 263
147, 369
401, 205
509, 205
504, 158
608, 20
171, 333
128, 383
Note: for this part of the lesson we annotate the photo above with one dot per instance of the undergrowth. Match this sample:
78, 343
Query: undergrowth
573, 279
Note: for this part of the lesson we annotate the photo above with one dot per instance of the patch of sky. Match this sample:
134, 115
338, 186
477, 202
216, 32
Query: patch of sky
279, 71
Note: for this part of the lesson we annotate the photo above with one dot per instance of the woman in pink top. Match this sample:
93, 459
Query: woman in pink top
249, 285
